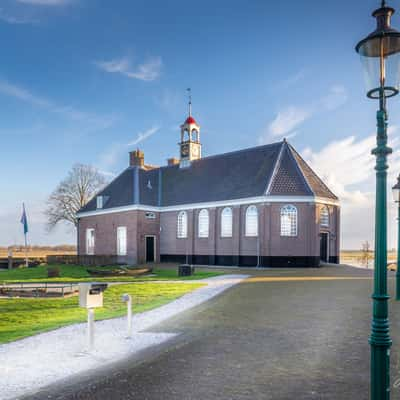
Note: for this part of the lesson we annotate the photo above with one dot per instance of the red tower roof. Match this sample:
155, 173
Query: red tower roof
190, 120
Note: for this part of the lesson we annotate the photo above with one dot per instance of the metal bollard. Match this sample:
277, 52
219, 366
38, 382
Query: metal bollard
90, 331
127, 298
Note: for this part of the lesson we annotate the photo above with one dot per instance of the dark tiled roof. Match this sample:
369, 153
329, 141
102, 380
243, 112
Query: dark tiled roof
317, 186
229, 176
288, 179
119, 192
148, 184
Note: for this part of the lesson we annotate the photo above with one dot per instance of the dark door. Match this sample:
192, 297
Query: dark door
324, 247
150, 249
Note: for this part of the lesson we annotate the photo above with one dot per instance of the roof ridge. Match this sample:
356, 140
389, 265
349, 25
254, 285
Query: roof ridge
228, 153
276, 168
314, 173
300, 169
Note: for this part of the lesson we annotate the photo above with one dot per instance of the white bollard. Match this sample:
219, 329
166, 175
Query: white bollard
127, 298
90, 328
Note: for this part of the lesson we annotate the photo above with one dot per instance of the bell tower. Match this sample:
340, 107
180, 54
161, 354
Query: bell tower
190, 146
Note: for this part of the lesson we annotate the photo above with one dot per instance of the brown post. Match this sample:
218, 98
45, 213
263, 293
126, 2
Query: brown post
10, 258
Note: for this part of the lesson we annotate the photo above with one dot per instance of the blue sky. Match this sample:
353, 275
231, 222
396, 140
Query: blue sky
88, 80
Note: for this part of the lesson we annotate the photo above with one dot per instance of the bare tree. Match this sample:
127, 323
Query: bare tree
75, 191
366, 253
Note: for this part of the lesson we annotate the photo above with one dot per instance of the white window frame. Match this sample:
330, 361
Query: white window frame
99, 202
226, 222
289, 220
90, 241
204, 223
251, 221
122, 241
324, 219
182, 225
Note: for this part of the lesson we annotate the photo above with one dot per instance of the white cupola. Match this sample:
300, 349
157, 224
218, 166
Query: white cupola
190, 146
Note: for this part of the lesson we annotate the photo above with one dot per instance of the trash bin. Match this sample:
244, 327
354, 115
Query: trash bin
186, 270
91, 294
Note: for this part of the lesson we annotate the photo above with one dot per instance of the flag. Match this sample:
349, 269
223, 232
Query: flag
24, 220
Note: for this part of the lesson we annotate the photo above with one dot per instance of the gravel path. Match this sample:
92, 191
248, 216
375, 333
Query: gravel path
303, 337
38, 361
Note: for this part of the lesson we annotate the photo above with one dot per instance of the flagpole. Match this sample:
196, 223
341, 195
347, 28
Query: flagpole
24, 221
26, 251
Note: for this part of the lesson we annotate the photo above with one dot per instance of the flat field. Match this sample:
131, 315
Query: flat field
356, 256
34, 253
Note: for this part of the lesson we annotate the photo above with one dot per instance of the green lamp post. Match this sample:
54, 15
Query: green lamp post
379, 53
396, 197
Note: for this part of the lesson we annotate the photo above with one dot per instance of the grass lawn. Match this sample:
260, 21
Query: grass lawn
77, 273
20, 318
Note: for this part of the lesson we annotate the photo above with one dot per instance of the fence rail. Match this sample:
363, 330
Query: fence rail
85, 260
38, 289
16, 261
95, 260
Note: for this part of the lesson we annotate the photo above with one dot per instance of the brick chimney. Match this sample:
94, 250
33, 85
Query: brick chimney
172, 161
136, 158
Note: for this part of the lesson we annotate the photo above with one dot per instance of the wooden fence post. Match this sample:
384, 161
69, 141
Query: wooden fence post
10, 258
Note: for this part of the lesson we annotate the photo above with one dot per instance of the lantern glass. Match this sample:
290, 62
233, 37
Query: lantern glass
396, 193
381, 71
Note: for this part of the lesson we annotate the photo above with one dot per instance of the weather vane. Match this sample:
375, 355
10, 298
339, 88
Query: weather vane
189, 90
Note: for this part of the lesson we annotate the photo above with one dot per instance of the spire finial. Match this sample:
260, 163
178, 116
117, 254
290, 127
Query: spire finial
383, 3
190, 101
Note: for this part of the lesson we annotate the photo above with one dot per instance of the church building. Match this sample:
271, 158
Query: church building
262, 206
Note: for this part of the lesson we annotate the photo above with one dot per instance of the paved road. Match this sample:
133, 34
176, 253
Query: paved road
279, 335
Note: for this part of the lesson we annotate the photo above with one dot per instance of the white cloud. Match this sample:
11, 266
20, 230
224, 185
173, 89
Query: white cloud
336, 97
291, 80
113, 154
66, 111
284, 123
291, 117
347, 167
344, 163
15, 20
23, 94
45, 2
148, 71
288, 119
143, 136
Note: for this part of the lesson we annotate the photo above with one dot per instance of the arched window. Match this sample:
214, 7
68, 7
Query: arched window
226, 222
182, 224
195, 135
289, 221
251, 227
324, 216
203, 224
186, 135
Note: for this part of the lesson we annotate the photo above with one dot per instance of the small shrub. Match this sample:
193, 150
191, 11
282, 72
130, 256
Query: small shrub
53, 272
